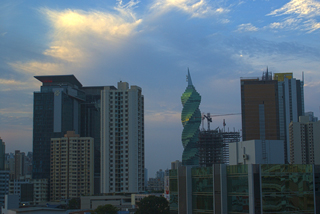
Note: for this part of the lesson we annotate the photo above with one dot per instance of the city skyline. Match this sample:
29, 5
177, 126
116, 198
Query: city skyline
151, 44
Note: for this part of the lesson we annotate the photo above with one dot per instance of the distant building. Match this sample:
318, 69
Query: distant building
19, 164
122, 139
311, 116
254, 152
175, 164
4, 185
72, 168
304, 141
29, 191
2, 155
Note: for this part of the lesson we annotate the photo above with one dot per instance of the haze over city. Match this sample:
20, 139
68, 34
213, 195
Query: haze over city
151, 44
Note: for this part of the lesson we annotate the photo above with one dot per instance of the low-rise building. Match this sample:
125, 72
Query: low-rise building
245, 188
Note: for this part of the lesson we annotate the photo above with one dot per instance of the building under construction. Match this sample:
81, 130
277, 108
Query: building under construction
213, 145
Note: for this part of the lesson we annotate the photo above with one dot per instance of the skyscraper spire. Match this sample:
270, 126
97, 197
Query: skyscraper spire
189, 78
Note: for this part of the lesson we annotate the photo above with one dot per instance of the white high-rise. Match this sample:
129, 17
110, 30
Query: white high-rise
122, 139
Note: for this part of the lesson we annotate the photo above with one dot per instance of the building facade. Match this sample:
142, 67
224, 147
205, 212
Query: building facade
72, 166
259, 108
245, 188
191, 120
304, 141
256, 152
55, 111
291, 105
122, 139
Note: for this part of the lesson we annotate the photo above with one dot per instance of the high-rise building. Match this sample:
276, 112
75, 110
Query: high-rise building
259, 108
191, 120
56, 111
122, 139
291, 105
269, 105
71, 166
90, 126
304, 141
2, 155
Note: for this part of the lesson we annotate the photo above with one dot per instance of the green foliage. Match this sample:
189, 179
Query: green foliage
106, 209
74, 203
153, 204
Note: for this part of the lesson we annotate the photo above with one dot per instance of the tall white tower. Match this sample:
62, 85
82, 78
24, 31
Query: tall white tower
122, 139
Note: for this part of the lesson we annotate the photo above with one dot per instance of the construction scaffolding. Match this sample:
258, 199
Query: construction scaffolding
213, 145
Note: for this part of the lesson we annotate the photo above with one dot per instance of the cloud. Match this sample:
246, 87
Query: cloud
196, 8
38, 68
290, 22
246, 27
300, 14
299, 7
72, 27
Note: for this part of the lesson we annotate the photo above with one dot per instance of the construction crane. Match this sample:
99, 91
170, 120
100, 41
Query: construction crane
209, 118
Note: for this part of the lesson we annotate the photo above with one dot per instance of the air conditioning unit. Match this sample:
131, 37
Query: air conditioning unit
245, 157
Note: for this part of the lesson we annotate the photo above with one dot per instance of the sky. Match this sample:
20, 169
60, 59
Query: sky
152, 44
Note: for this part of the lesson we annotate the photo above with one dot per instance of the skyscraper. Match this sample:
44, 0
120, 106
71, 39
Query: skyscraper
291, 105
269, 105
191, 119
259, 108
55, 111
122, 139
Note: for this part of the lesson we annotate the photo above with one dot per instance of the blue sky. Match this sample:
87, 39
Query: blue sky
151, 44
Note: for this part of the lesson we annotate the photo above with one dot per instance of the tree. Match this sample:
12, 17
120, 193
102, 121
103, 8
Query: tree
106, 209
153, 204
74, 203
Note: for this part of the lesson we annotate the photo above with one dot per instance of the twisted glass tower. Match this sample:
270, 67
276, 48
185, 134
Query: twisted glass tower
191, 119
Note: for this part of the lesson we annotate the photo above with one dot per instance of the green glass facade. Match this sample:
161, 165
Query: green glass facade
173, 188
287, 188
238, 189
191, 119
202, 189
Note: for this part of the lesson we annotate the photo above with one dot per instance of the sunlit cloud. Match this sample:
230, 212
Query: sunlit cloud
38, 68
11, 84
246, 27
300, 13
196, 8
311, 25
73, 28
299, 7
291, 22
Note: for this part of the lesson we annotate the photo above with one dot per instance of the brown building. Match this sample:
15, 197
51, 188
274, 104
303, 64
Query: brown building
71, 168
259, 108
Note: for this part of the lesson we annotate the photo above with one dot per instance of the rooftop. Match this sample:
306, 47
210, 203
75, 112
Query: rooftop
59, 79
